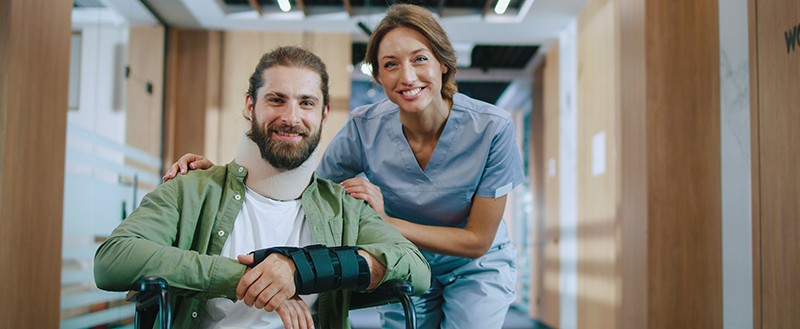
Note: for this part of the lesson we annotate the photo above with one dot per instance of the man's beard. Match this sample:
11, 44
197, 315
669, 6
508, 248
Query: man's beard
280, 154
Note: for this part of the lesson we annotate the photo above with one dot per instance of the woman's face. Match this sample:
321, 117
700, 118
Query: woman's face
409, 73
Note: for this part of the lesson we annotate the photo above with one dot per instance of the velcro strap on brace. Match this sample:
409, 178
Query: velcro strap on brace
321, 268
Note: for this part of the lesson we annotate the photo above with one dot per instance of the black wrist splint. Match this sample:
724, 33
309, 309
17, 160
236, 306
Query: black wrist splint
321, 268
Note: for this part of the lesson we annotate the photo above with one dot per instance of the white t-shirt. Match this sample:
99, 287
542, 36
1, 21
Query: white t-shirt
262, 223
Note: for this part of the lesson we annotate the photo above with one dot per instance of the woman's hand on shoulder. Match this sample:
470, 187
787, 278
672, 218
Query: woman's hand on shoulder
361, 188
188, 161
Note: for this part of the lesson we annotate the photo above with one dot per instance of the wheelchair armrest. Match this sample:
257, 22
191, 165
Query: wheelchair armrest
152, 298
387, 293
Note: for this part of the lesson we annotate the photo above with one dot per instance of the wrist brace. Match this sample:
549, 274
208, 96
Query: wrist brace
321, 268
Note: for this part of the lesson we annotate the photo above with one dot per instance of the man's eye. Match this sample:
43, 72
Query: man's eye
307, 103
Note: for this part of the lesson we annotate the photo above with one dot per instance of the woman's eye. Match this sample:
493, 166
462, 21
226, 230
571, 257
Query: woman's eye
421, 58
389, 65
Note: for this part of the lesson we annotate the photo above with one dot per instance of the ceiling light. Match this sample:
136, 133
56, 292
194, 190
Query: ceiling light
285, 6
366, 69
501, 6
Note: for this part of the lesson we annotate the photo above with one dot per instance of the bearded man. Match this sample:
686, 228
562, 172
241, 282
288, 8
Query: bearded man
240, 244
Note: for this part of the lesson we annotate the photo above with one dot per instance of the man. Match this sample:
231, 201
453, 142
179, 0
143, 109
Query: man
197, 231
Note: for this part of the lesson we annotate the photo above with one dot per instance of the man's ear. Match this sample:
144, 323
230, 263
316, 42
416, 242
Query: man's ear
325, 111
249, 105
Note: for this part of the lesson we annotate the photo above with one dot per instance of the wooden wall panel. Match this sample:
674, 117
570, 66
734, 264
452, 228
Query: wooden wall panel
598, 292
632, 233
145, 105
193, 96
775, 161
551, 294
34, 75
536, 172
683, 165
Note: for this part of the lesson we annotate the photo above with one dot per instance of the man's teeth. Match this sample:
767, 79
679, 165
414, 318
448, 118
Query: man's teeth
412, 92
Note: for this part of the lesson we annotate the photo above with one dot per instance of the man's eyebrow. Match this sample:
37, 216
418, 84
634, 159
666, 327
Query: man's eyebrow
311, 97
274, 93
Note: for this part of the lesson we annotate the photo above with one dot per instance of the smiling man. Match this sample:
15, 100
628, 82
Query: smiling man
198, 230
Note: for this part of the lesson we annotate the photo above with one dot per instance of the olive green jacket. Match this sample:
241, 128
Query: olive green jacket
179, 229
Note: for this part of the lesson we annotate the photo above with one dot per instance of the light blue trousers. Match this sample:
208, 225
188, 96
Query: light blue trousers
465, 293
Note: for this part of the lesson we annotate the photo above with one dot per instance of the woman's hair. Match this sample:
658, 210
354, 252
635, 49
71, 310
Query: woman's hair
292, 57
422, 21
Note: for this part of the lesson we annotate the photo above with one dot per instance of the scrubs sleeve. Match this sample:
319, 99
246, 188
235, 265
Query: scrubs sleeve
503, 169
343, 158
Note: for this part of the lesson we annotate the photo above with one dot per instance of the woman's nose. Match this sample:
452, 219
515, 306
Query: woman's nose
408, 74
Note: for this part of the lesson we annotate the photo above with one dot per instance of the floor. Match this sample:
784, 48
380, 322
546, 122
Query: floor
369, 319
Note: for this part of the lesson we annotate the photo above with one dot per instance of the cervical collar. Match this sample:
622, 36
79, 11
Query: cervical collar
271, 182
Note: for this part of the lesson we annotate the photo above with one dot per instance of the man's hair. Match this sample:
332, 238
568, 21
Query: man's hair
422, 21
292, 57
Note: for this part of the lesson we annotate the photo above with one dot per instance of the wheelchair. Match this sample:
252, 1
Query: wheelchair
153, 301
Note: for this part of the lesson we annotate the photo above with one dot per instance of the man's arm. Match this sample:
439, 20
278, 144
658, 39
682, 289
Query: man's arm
385, 245
144, 244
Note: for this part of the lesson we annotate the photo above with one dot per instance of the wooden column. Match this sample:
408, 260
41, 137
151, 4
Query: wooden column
34, 74
775, 117
192, 106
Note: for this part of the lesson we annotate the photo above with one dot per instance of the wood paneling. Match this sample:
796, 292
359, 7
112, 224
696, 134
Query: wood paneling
755, 180
683, 165
145, 88
632, 233
194, 58
551, 294
598, 293
536, 172
34, 74
776, 183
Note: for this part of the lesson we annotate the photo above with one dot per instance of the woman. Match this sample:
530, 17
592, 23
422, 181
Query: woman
438, 167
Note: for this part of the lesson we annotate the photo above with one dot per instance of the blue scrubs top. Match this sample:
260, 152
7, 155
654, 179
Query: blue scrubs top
476, 155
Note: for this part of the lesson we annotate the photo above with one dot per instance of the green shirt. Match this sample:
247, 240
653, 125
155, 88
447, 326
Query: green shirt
179, 229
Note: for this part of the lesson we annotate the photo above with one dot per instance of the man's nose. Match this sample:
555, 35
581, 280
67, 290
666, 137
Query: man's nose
291, 115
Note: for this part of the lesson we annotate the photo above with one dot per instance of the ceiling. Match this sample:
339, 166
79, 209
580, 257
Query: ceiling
493, 50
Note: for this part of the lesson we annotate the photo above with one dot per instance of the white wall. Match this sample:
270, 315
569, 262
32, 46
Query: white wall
737, 244
568, 168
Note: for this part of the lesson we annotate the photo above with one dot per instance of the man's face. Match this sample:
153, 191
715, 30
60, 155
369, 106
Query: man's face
286, 118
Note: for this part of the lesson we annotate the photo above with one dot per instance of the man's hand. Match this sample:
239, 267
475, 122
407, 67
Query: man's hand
295, 314
269, 284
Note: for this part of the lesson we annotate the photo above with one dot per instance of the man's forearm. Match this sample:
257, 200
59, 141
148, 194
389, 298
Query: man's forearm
376, 270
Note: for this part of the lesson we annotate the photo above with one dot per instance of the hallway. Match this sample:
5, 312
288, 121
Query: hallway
515, 319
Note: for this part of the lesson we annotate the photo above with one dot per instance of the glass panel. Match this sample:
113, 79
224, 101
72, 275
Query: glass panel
100, 185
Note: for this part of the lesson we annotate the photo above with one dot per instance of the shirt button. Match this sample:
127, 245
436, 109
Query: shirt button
237, 197
194, 315
241, 169
221, 233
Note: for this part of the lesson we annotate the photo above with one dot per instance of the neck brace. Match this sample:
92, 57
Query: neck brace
271, 182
